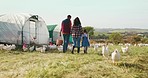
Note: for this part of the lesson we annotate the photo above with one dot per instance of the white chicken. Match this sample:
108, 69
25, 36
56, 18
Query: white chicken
124, 49
7, 47
52, 46
115, 56
43, 49
70, 47
96, 47
91, 45
105, 52
1, 46
60, 48
38, 48
31, 48
13, 46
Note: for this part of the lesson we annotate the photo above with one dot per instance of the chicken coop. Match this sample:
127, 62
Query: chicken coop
23, 28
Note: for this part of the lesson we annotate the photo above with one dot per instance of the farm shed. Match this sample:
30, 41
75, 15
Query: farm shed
23, 28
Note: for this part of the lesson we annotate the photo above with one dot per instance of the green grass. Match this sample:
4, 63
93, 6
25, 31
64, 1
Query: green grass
55, 64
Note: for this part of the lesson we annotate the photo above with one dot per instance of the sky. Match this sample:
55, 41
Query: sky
95, 13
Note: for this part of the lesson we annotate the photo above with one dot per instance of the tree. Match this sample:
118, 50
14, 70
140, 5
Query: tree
144, 40
90, 30
116, 38
102, 36
136, 39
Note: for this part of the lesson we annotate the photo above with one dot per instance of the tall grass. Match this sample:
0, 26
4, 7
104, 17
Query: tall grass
55, 64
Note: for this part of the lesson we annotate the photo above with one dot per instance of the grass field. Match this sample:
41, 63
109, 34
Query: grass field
55, 64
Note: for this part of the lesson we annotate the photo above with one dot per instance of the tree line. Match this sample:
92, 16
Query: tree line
117, 37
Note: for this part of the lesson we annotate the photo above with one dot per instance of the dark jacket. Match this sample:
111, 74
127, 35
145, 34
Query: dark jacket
66, 26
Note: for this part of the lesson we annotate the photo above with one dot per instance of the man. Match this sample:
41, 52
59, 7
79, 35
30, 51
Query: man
65, 30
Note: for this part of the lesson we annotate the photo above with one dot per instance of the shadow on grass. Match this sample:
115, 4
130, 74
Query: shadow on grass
16, 52
131, 65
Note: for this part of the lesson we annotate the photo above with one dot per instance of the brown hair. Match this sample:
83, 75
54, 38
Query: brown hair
77, 21
84, 31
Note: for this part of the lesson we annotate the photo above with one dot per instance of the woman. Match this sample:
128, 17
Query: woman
76, 32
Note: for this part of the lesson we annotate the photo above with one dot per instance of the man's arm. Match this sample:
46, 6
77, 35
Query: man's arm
61, 28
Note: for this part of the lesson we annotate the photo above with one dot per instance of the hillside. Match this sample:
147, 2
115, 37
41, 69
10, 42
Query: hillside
121, 30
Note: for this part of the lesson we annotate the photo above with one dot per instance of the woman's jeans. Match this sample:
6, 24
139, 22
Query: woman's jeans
76, 41
66, 41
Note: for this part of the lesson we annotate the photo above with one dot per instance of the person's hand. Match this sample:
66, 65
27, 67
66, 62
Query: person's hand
60, 34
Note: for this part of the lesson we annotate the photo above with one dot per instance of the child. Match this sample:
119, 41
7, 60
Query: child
85, 41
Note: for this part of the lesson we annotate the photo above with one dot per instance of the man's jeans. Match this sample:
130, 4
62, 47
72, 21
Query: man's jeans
66, 41
77, 41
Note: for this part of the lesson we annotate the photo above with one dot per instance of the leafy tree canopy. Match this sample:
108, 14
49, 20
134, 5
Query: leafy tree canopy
116, 38
90, 30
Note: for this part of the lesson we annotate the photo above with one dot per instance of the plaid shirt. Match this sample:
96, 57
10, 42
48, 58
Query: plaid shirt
76, 31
